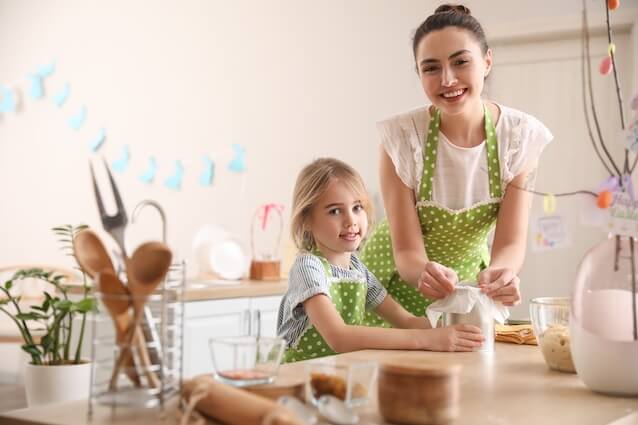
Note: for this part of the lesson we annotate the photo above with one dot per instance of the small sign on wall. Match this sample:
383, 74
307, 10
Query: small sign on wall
624, 215
549, 232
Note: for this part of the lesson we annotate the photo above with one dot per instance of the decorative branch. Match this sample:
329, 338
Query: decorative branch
584, 92
591, 92
612, 54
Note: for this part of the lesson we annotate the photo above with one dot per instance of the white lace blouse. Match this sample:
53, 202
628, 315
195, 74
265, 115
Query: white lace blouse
460, 178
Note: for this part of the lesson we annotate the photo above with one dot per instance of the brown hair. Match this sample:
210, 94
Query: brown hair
311, 183
450, 15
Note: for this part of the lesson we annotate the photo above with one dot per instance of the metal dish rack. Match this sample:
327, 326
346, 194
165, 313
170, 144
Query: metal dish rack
163, 327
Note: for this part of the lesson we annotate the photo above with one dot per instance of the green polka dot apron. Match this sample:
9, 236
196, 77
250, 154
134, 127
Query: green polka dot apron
349, 298
455, 238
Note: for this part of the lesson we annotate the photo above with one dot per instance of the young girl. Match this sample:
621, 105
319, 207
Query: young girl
449, 174
330, 289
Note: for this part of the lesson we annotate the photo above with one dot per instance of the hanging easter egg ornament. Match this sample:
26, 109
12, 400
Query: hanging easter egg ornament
606, 66
549, 203
604, 200
613, 4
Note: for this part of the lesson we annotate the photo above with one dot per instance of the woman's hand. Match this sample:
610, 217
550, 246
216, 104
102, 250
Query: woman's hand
437, 281
453, 338
500, 284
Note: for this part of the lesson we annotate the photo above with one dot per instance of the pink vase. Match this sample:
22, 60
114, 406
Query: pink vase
604, 340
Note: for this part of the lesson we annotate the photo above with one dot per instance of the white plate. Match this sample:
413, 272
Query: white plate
228, 258
206, 237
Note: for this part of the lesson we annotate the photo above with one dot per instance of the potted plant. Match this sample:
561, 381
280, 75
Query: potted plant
49, 329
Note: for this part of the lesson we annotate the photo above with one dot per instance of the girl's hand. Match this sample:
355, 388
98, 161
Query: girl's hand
437, 281
500, 284
454, 338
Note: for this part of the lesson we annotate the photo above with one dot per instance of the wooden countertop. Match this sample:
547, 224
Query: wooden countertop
202, 289
211, 288
197, 289
509, 386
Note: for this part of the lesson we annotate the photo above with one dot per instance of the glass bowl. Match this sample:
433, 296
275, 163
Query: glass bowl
550, 320
246, 360
350, 383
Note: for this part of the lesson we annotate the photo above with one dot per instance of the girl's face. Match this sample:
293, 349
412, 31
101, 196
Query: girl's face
338, 221
452, 68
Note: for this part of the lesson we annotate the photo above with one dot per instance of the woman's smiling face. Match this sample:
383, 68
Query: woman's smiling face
452, 68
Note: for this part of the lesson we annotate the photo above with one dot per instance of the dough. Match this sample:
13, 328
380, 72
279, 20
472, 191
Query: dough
555, 345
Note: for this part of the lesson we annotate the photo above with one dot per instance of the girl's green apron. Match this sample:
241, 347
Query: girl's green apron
455, 238
349, 298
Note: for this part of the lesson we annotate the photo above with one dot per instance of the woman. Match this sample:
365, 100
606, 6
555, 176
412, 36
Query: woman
449, 173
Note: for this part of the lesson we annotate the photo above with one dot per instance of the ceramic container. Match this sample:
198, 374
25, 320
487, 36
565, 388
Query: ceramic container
418, 394
604, 317
55, 384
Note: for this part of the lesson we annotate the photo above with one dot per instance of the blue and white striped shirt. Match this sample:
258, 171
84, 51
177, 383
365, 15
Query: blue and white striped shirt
308, 278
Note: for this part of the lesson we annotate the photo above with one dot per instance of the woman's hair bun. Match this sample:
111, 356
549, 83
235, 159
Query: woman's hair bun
453, 8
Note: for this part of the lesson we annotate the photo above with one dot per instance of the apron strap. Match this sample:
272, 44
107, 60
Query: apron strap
430, 152
493, 163
429, 156
326, 265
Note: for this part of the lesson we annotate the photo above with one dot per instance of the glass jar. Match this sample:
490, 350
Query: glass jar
603, 318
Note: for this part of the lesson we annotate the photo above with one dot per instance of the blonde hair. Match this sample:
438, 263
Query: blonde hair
311, 183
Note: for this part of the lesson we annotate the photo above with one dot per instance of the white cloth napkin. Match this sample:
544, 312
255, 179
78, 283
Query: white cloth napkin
463, 300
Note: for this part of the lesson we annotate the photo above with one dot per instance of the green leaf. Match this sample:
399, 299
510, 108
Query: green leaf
8, 284
63, 228
63, 305
31, 349
47, 342
27, 316
86, 305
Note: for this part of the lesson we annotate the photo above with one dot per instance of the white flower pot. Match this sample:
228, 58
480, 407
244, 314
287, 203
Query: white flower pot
54, 384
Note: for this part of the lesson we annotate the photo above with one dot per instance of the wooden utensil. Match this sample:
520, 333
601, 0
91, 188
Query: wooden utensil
89, 250
234, 406
417, 394
117, 301
145, 270
93, 258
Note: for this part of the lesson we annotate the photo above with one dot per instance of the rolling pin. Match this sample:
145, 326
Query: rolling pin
234, 406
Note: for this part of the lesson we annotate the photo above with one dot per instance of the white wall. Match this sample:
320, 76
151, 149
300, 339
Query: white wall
290, 80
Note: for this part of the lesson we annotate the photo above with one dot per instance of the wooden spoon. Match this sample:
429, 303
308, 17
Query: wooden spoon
91, 254
95, 261
117, 301
146, 269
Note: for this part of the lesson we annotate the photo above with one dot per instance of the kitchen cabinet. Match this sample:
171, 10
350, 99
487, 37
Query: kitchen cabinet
204, 320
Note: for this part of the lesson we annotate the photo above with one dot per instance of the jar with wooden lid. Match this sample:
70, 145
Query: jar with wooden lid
418, 394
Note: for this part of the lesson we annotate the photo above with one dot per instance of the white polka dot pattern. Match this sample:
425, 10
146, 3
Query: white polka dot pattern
349, 298
456, 239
